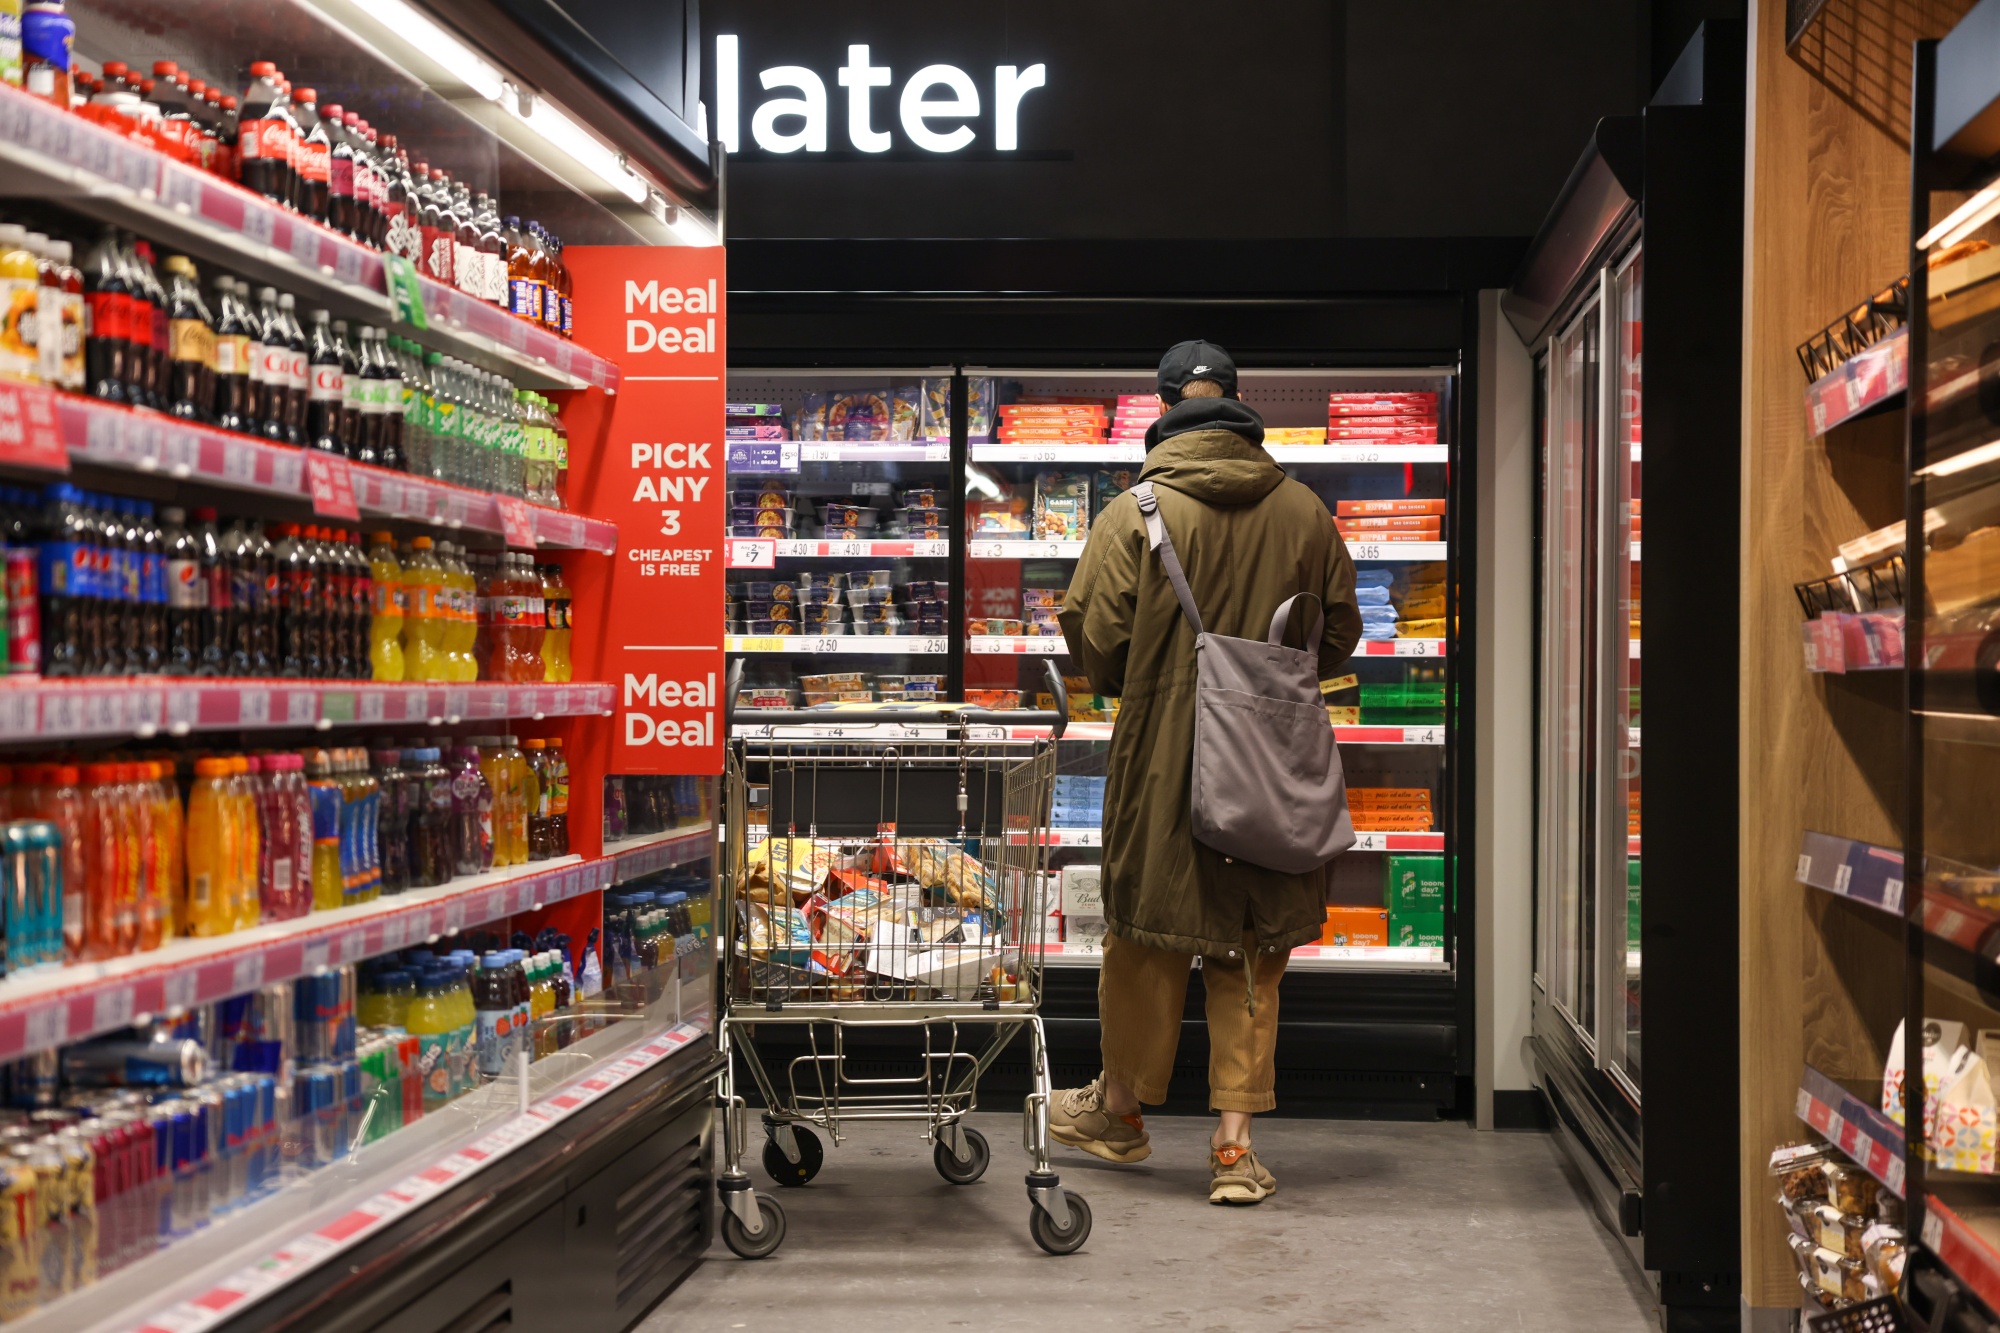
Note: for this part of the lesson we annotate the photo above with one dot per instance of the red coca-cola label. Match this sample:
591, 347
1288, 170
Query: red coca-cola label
276, 364
110, 315
268, 138
313, 161
438, 246
24, 619
340, 177
159, 332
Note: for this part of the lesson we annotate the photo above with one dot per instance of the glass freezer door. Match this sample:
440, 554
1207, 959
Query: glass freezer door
1588, 942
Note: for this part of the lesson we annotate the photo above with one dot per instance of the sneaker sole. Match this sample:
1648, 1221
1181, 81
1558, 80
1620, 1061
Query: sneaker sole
1240, 1192
1099, 1148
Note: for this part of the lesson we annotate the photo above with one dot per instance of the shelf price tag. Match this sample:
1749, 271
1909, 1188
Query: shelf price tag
517, 522
405, 292
30, 435
331, 483
753, 553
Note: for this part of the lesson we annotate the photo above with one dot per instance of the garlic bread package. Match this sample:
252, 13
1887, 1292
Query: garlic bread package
1963, 1131
1942, 1039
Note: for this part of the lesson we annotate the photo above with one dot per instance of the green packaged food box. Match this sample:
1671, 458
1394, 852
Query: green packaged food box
1419, 929
1632, 903
1416, 883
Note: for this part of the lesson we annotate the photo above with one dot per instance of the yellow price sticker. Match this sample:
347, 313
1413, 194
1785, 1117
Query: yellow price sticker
763, 643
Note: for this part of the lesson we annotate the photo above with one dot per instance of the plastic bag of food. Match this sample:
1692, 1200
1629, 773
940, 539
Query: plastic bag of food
1942, 1039
1963, 1131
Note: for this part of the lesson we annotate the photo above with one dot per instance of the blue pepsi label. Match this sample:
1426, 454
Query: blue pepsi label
48, 34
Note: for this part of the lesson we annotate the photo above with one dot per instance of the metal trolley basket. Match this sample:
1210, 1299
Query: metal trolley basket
885, 869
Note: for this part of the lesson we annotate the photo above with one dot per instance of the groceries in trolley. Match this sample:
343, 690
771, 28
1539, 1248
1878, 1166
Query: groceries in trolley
919, 911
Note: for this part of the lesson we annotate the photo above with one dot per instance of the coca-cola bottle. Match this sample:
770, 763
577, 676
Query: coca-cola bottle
378, 162
351, 390
310, 197
264, 134
228, 158
340, 170
402, 236
439, 228
468, 266
492, 253
234, 406
298, 378
367, 181
270, 366
107, 351
191, 340
326, 404
152, 331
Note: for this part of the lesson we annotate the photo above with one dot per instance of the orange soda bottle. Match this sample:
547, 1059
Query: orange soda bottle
211, 849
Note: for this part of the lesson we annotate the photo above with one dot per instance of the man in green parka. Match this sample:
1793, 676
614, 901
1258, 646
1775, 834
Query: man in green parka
1250, 538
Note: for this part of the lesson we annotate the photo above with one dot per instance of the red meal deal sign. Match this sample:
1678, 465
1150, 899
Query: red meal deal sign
656, 469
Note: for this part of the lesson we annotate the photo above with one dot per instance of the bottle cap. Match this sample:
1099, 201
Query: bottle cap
261, 69
304, 95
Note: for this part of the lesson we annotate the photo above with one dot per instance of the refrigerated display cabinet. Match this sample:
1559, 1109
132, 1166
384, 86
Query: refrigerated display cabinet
1624, 302
1013, 507
267, 1176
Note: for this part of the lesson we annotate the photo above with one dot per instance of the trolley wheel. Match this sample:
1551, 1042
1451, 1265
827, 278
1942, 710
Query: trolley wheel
963, 1173
783, 1170
765, 1242
1060, 1240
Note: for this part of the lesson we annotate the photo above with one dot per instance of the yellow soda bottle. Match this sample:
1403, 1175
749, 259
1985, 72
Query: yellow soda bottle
385, 622
427, 1017
423, 613
323, 789
170, 831
210, 852
493, 766
249, 843
462, 625
555, 614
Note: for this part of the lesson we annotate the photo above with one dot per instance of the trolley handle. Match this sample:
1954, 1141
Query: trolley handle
1056, 719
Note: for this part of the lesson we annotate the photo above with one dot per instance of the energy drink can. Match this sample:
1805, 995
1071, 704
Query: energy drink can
134, 1062
20, 1237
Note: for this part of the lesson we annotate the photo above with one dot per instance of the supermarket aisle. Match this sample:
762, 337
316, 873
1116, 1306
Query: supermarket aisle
1415, 1228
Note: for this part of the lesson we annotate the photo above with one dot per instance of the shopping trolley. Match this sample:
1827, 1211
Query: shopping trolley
886, 868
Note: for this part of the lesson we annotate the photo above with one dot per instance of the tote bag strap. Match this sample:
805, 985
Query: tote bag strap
1282, 621
1157, 538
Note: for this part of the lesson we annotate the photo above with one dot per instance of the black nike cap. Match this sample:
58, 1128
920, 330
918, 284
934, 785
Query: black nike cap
1195, 360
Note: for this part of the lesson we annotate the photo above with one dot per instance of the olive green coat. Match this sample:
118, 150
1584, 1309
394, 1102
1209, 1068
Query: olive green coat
1249, 537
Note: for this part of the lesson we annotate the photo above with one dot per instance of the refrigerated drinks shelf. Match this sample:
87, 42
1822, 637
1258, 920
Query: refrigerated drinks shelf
649, 853
144, 707
55, 1006
110, 435
210, 1279
50, 153
853, 645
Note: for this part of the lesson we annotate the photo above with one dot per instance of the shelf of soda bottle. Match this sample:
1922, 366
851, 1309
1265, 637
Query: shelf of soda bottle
116, 155
238, 386
183, 1122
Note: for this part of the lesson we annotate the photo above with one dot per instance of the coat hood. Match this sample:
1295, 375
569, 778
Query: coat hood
1192, 414
1217, 467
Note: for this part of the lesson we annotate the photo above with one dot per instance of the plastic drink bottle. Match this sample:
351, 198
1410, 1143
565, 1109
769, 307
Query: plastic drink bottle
558, 778
385, 622
170, 841
392, 821
494, 1011
325, 797
471, 815
249, 851
52, 794
493, 767
464, 616
544, 1007
371, 815
285, 850
423, 621
555, 617
432, 860
522, 794
211, 849
427, 1018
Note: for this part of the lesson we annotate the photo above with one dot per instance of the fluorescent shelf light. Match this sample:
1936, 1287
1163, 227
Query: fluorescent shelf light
464, 63
1962, 221
565, 134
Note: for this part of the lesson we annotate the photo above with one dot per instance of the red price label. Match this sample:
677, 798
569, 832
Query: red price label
331, 483
517, 522
30, 435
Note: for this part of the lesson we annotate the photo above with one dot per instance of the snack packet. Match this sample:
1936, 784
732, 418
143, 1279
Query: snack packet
1942, 1038
1963, 1131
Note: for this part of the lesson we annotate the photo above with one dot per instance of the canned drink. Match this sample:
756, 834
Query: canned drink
134, 1062
45, 889
80, 1169
24, 616
21, 1227
156, 1216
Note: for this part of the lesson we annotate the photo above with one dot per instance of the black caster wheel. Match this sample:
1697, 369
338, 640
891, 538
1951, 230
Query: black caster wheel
783, 1170
1065, 1240
963, 1173
765, 1242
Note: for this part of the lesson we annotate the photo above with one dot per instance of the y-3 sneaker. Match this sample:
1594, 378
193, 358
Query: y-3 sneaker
1237, 1175
1077, 1117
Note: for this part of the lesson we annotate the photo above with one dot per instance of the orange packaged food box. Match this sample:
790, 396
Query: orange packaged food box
1362, 508
1368, 428
1376, 404
1393, 523
1051, 412
1377, 535
1356, 926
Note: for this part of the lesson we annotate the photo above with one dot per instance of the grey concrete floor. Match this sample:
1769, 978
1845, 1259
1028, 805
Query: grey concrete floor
1418, 1228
